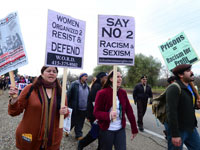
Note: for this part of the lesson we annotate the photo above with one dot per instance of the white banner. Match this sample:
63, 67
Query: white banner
116, 40
67, 122
21, 86
12, 49
65, 41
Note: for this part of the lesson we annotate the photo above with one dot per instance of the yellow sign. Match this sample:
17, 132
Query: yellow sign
27, 137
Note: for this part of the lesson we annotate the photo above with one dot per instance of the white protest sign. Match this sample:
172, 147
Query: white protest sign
12, 49
65, 41
67, 122
21, 86
116, 40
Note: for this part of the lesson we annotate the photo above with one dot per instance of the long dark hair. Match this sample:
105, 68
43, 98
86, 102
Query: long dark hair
38, 81
108, 83
98, 78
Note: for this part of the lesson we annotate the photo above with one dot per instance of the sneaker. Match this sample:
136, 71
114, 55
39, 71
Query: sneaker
66, 134
141, 129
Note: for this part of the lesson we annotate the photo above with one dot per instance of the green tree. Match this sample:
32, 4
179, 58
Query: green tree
104, 68
143, 66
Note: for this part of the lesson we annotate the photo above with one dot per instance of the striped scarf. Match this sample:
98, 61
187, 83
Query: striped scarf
47, 117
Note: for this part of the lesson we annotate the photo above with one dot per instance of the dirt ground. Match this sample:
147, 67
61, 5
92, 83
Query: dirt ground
9, 124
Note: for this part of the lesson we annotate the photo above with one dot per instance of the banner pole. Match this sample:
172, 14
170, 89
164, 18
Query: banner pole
195, 90
63, 97
12, 81
114, 88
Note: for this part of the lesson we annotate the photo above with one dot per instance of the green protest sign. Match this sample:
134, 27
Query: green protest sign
178, 50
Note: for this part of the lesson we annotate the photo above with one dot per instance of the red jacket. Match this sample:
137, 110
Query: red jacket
103, 104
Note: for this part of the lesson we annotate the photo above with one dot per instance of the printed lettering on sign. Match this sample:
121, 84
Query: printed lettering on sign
116, 40
12, 50
65, 41
178, 50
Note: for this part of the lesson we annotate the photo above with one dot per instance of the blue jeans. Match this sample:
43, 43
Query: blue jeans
190, 139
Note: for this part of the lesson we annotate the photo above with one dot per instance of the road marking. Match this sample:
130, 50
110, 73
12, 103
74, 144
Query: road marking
149, 105
154, 134
151, 132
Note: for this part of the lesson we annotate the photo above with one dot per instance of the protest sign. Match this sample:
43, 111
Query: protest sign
65, 46
116, 44
116, 40
12, 49
67, 122
21, 86
178, 50
65, 41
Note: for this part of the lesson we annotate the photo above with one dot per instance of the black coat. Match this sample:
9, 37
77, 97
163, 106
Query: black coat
139, 94
91, 99
180, 109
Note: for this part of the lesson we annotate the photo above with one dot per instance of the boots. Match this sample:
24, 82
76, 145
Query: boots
85, 141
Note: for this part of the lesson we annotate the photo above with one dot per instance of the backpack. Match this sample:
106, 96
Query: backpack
159, 104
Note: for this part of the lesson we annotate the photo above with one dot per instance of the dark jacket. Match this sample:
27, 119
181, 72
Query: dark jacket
180, 109
73, 96
139, 94
91, 99
103, 104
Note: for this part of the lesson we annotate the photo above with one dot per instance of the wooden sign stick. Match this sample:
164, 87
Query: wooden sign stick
12, 81
195, 90
114, 88
63, 98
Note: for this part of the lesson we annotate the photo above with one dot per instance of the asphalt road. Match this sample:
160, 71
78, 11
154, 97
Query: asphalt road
152, 125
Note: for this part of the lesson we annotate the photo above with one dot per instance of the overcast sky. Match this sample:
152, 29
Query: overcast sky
156, 22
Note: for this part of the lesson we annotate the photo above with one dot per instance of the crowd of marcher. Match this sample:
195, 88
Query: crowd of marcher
5, 81
40, 101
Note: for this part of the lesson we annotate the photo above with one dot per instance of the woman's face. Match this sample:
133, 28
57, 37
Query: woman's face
50, 74
119, 79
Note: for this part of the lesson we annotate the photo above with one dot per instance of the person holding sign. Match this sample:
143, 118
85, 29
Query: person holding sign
112, 123
22, 83
181, 120
40, 102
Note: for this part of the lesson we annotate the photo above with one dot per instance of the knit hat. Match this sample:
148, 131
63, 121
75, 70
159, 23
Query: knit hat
83, 74
181, 68
143, 76
171, 79
101, 75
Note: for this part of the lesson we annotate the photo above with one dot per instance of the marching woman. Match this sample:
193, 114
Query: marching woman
40, 102
112, 123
